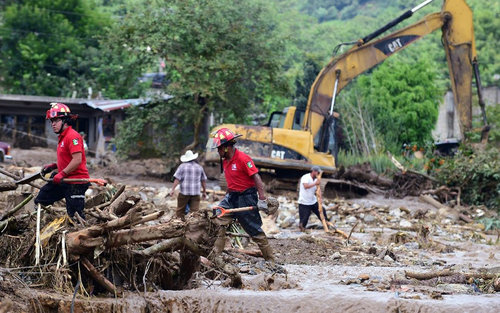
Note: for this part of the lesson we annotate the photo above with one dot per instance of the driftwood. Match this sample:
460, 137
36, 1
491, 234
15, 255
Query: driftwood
363, 173
98, 277
448, 272
122, 204
87, 239
193, 238
432, 201
16, 208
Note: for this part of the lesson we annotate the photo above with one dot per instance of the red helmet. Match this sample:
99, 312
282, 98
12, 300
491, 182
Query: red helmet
58, 110
223, 136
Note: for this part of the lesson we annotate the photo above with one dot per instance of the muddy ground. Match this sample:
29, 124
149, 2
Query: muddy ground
325, 272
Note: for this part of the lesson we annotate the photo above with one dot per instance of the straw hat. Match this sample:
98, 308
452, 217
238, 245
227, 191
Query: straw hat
189, 156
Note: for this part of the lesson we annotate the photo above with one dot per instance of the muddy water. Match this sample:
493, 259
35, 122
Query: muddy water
318, 291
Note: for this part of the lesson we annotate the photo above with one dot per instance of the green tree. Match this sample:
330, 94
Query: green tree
52, 48
403, 99
221, 56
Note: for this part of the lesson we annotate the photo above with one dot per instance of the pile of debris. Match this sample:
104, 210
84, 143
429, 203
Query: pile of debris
127, 242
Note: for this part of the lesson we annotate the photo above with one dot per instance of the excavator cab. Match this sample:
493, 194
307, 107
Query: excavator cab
290, 118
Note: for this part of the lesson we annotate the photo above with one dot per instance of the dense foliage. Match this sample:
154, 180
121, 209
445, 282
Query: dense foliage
401, 100
477, 174
52, 48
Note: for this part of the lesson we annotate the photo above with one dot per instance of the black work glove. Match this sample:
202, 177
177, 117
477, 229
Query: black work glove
48, 168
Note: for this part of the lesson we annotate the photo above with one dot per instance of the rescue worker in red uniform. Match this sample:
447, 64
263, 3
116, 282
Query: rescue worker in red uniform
71, 163
244, 188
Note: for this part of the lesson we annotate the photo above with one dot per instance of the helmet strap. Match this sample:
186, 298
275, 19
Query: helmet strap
64, 120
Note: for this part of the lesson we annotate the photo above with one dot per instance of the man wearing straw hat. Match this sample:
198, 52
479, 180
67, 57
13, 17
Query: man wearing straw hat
191, 177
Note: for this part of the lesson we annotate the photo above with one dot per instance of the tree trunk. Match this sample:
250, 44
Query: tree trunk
198, 122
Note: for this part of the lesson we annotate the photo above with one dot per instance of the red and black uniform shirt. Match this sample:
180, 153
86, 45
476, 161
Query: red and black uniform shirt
238, 171
71, 142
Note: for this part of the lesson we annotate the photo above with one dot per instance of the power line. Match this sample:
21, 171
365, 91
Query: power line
74, 13
56, 35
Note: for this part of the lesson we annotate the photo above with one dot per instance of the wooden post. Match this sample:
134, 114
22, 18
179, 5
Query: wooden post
320, 204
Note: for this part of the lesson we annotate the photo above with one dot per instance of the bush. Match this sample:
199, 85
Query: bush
477, 174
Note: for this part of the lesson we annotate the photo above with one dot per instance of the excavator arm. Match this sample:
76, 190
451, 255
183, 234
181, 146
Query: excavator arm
455, 20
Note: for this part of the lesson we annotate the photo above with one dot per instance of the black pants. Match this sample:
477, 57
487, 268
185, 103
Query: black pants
73, 193
249, 220
305, 211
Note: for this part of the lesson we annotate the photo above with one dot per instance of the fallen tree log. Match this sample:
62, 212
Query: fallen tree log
448, 272
428, 275
122, 204
98, 277
363, 173
16, 208
432, 201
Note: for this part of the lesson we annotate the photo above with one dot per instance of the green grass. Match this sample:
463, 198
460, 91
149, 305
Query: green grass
380, 163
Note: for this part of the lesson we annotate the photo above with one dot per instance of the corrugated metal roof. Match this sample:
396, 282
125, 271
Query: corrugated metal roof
103, 105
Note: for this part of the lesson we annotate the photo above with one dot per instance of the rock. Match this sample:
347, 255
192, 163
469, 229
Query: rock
335, 256
269, 226
496, 284
368, 218
388, 259
364, 277
289, 221
455, 288
143, 196
404, 223
396, 213
351, 220
446, 221
479, 213
412, 245
334, 218
447, 213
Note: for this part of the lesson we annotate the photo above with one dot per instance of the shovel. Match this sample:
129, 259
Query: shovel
6, 186
98, 181
220, 211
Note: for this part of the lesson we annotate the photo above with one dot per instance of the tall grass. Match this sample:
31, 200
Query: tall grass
380, 163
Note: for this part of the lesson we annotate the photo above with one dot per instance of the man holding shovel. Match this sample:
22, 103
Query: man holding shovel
71, 164
308, 203
244, 188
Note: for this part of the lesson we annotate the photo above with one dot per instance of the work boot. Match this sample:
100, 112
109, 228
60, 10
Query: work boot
220, 242
265, 248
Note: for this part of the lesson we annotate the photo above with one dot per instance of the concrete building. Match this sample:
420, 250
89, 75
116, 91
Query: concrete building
447, 126
23, 124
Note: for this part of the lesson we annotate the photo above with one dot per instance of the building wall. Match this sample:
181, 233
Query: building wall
447, 125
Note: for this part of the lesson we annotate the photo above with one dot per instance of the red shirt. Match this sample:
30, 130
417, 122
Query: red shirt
71, 142
238, 171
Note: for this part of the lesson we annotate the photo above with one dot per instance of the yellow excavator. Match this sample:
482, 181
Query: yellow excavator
294, 140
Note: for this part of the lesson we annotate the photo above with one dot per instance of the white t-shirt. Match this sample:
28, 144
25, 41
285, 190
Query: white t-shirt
307, 196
